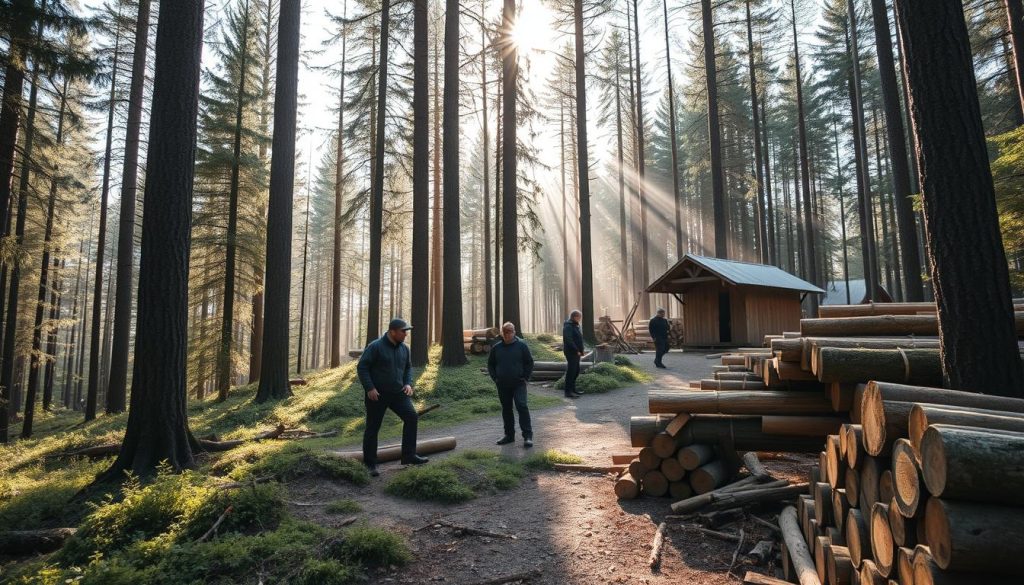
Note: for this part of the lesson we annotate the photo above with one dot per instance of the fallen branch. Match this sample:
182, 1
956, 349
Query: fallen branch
767, 494
590, 468
95, 451
427, 409
28, 542
735, 553
521, 576
297, 434
752, 578
215, 524
754, 466
715, 533
228, 445
467, 530
656, 546
766, 523
697, 502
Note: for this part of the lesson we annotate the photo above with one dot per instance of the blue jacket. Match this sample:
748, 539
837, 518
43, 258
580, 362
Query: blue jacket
658, 328
572, 337
510, 362
385, 366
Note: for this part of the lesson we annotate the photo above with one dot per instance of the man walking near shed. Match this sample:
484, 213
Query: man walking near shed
386, 375
658, 328
510, 365
572, 348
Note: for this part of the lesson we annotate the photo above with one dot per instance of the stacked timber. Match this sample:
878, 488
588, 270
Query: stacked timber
479, 341
552, 371
639, 333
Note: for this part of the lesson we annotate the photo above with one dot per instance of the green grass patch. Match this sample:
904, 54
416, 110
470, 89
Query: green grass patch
548, 459
607, 376
292, 461
344, 506
457, 479
372, 546
540, 347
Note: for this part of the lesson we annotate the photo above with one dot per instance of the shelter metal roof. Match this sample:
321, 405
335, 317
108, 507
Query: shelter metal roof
731, 272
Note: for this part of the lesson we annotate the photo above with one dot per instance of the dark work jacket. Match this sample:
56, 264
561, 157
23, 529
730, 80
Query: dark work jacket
509, 363
572, 337
658, 328
385, 366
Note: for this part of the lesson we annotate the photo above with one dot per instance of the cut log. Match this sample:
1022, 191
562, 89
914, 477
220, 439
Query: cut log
738, 402
907, 366
744, 434
32, 542
858, 537
815, 476
802, 563
873, 308
649, 459
761, 495
642, 429
840, 567
752, 578
923, 415
839, 507
659, 540
854, 445
835, 536
903, 529
927, 572
821, 544
732, 385
394, 452
801, 426
672, 470
832, 461
637, 469
665, 445
694, 503
627, 487
882, 550
964, 536
972, 464
870, 470
840, 394
823, 503
754, 466
677, 424
905, 565
693, 456
790, 371
852, 487
906, 475
733, 360
623, 458
709, 476
886, 489
876, 394
869, 574
680, 490
573, 467
787, 350
858, 400
654, 484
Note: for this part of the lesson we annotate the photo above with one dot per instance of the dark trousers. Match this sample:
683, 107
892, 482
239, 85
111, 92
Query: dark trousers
401, 405
510, 394
572, 371
660, 349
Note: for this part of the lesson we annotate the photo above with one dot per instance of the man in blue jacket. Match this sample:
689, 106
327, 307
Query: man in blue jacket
510, 365
572, 348
658, 328
386, 375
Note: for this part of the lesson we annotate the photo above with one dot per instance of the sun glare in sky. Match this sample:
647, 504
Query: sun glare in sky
533, 31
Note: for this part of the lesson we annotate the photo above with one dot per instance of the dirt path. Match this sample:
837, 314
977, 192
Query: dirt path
569, 527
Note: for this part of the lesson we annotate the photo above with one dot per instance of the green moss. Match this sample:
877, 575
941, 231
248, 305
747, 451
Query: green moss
253, 509
547, 459
607, 376
294, 461
457, 479
327, 572
371, 546
344, 506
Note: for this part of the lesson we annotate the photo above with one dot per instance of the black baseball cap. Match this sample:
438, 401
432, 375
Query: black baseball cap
399, 324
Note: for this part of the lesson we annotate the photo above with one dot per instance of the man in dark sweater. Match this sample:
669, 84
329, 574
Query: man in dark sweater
658, 328
386, 375
510, 365
572, 348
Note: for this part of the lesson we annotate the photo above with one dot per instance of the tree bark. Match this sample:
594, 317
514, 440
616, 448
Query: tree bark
373, 290
583, 166
510, 198
420, 308
972, 464
339, 198
805, 173
274, 367
452, 353
1015, 27
861, 153
157, 428
714, 133
979, 344
975, 537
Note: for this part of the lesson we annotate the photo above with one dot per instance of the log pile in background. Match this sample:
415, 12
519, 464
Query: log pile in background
639, 333
479, 341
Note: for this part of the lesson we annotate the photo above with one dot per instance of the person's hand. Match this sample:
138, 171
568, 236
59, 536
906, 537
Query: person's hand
373, 395
407, 389
581, 353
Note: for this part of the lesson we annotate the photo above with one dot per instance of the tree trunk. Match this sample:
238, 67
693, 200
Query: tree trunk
118, 384
157, 430
339, 199
641, 163
979, 346
373, 290
10, 119
302, 289
805, 174
714, 133
620, 171
977, 465
274, 372
964, 536
51, 338
583, 166
1015, 27
421, 189
486, 147
861, 150
435, 243
898, 154
738, 402
676, 195
44, 285
510, 197
762, 226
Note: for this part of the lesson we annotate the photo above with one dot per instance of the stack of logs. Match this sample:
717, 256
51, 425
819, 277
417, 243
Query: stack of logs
479, 341
640, 334
552, 371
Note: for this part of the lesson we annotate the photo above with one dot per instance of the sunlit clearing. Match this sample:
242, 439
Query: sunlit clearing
532, 31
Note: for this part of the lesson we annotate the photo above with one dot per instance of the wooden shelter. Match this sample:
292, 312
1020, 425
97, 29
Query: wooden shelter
731, 303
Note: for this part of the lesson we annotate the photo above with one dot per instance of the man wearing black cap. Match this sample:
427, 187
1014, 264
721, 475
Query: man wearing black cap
386, 376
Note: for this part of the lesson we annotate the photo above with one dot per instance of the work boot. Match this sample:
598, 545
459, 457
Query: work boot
414, 460
527, 443
505, 440
372, 468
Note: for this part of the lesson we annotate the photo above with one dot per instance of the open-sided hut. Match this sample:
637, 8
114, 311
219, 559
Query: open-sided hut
733, 303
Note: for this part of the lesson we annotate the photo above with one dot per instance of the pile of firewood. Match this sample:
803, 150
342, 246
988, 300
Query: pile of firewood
641, 335
479, 341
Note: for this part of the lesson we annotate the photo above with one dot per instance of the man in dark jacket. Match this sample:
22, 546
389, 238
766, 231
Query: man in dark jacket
386, 375
572, 348
510, 365
658, 328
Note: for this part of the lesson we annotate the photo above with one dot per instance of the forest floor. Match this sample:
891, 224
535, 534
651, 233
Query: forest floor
568, 526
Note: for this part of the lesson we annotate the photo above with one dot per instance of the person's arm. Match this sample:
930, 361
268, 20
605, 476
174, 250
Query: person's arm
491, 364
527, 362
569, 339
407, 377
365, 363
